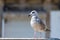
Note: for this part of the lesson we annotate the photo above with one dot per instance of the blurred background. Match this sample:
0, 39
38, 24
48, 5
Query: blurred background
28, 5
15, 14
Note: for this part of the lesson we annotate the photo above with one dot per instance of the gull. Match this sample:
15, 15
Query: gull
36, 23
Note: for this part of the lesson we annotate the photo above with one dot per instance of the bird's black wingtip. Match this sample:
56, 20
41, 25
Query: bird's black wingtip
47, 30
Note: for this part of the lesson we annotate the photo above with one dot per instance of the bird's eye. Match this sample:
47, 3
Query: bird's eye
33, 12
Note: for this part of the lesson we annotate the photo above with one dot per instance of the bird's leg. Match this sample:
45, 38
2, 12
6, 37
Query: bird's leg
34, 34
40, 35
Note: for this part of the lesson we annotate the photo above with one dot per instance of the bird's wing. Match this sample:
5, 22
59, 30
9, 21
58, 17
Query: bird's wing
39, 21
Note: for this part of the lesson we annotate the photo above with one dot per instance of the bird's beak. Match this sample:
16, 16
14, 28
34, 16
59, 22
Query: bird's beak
29, 15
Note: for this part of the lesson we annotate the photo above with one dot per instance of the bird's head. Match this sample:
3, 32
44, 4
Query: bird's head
33, 13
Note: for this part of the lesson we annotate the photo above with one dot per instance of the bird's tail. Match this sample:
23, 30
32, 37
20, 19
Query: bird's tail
47, 29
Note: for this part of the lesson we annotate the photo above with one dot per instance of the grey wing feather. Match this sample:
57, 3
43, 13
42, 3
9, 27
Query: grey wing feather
40, 21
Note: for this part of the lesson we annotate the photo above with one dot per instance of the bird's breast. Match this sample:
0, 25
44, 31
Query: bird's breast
32, 22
